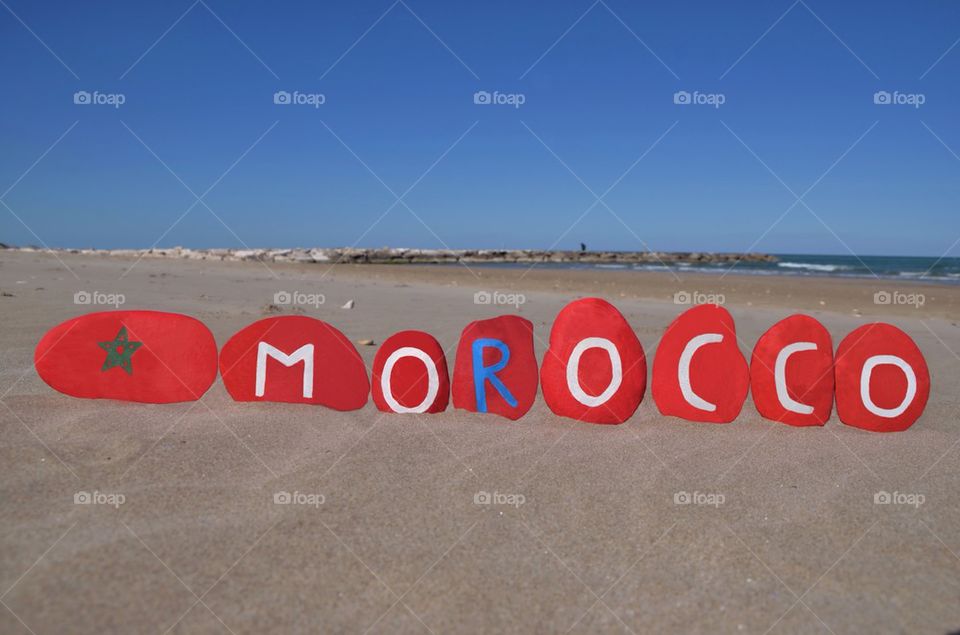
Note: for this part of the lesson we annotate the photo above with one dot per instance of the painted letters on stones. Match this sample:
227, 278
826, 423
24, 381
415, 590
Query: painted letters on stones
496, 369
882, 381
294, 359
410, 374
595, 369
699, 373
791, 372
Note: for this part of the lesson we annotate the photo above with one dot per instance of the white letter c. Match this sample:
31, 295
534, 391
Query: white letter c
780, 377
683, 372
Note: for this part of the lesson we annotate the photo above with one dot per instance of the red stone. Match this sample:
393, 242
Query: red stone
885, 403
604, 341
176, 359
516, 376
718, 378
806, 373
418, 369
289, 349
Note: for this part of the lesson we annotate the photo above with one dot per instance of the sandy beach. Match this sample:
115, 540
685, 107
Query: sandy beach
591, 541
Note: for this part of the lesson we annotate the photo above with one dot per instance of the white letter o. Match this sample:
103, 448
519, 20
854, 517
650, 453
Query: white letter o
890, 360
433, 379
573, 369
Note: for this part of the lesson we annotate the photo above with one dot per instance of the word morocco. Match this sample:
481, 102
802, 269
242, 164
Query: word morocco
595, 369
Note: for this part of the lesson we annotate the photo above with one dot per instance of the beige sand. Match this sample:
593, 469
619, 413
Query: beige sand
398, 545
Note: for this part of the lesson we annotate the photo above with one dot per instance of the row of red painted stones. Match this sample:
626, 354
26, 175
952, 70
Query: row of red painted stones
595, 369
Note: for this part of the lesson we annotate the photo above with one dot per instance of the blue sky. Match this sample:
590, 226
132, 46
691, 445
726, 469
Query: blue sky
598, 84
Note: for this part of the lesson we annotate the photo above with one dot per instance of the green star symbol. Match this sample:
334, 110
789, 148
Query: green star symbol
119, 350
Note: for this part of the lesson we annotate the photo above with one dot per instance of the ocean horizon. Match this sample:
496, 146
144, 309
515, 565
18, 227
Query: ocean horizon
945, 270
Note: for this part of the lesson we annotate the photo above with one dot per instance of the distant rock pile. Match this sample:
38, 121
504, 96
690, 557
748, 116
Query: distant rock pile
390, 256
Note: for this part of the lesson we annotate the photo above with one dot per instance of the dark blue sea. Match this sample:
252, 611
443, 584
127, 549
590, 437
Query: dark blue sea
943, 270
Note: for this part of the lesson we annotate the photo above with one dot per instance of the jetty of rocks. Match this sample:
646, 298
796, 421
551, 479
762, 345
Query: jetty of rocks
386, 255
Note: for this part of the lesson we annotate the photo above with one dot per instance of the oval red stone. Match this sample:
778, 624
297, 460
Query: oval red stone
294, 359
595, 369
699, 373
145, 356
410, 374
496, 368
791, 372
882, 380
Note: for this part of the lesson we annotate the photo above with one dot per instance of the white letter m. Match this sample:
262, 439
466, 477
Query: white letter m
303, 354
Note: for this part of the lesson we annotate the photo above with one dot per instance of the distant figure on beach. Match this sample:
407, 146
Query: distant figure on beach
583, 246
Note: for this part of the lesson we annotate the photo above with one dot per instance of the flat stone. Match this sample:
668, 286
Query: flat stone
496, 369
887, 404
414, 384
166, 357
699, 373
603, 385
804, 349
294, 359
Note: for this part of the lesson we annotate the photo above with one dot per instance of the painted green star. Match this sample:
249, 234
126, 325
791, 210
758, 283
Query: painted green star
119, 350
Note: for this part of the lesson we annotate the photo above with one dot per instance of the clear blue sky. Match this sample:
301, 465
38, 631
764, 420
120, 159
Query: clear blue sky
199, 92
